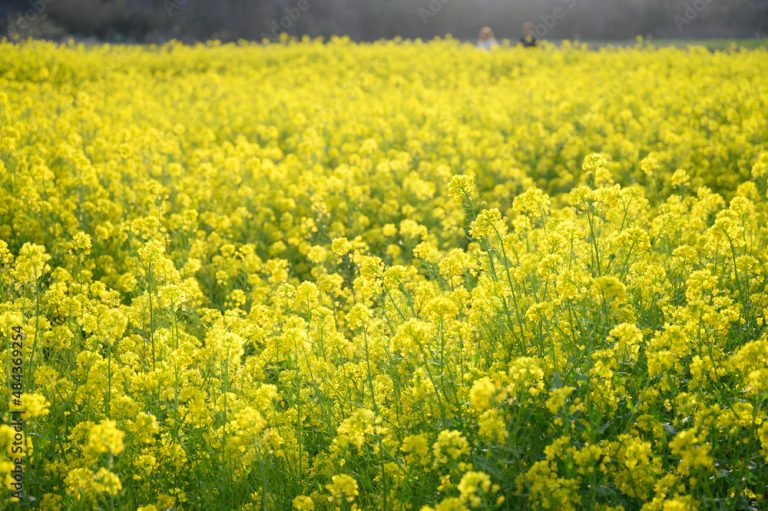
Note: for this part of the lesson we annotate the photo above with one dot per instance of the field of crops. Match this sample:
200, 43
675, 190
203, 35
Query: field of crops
393, 276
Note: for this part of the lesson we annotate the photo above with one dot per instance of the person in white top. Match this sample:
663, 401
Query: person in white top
485, 39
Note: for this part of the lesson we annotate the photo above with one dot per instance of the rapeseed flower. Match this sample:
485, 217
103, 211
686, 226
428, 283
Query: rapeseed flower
348, 290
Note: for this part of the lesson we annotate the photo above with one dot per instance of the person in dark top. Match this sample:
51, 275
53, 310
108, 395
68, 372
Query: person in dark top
529, 39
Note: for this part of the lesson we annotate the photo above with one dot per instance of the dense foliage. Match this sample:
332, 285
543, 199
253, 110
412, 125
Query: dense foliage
153, 20
388, 276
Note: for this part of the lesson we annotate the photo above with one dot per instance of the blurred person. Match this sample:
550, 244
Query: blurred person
529, 38
485, 39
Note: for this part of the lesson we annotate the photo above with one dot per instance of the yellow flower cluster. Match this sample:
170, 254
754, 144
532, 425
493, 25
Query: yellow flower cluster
393, 276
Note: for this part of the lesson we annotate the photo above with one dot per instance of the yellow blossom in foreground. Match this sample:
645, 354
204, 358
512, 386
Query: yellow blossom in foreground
394, 275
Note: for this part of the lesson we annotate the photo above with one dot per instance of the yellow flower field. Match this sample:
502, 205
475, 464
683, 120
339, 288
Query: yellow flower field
389, 276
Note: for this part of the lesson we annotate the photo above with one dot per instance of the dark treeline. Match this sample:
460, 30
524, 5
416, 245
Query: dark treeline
188, 20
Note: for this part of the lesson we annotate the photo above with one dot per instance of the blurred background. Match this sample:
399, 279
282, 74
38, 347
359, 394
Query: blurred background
228, 20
